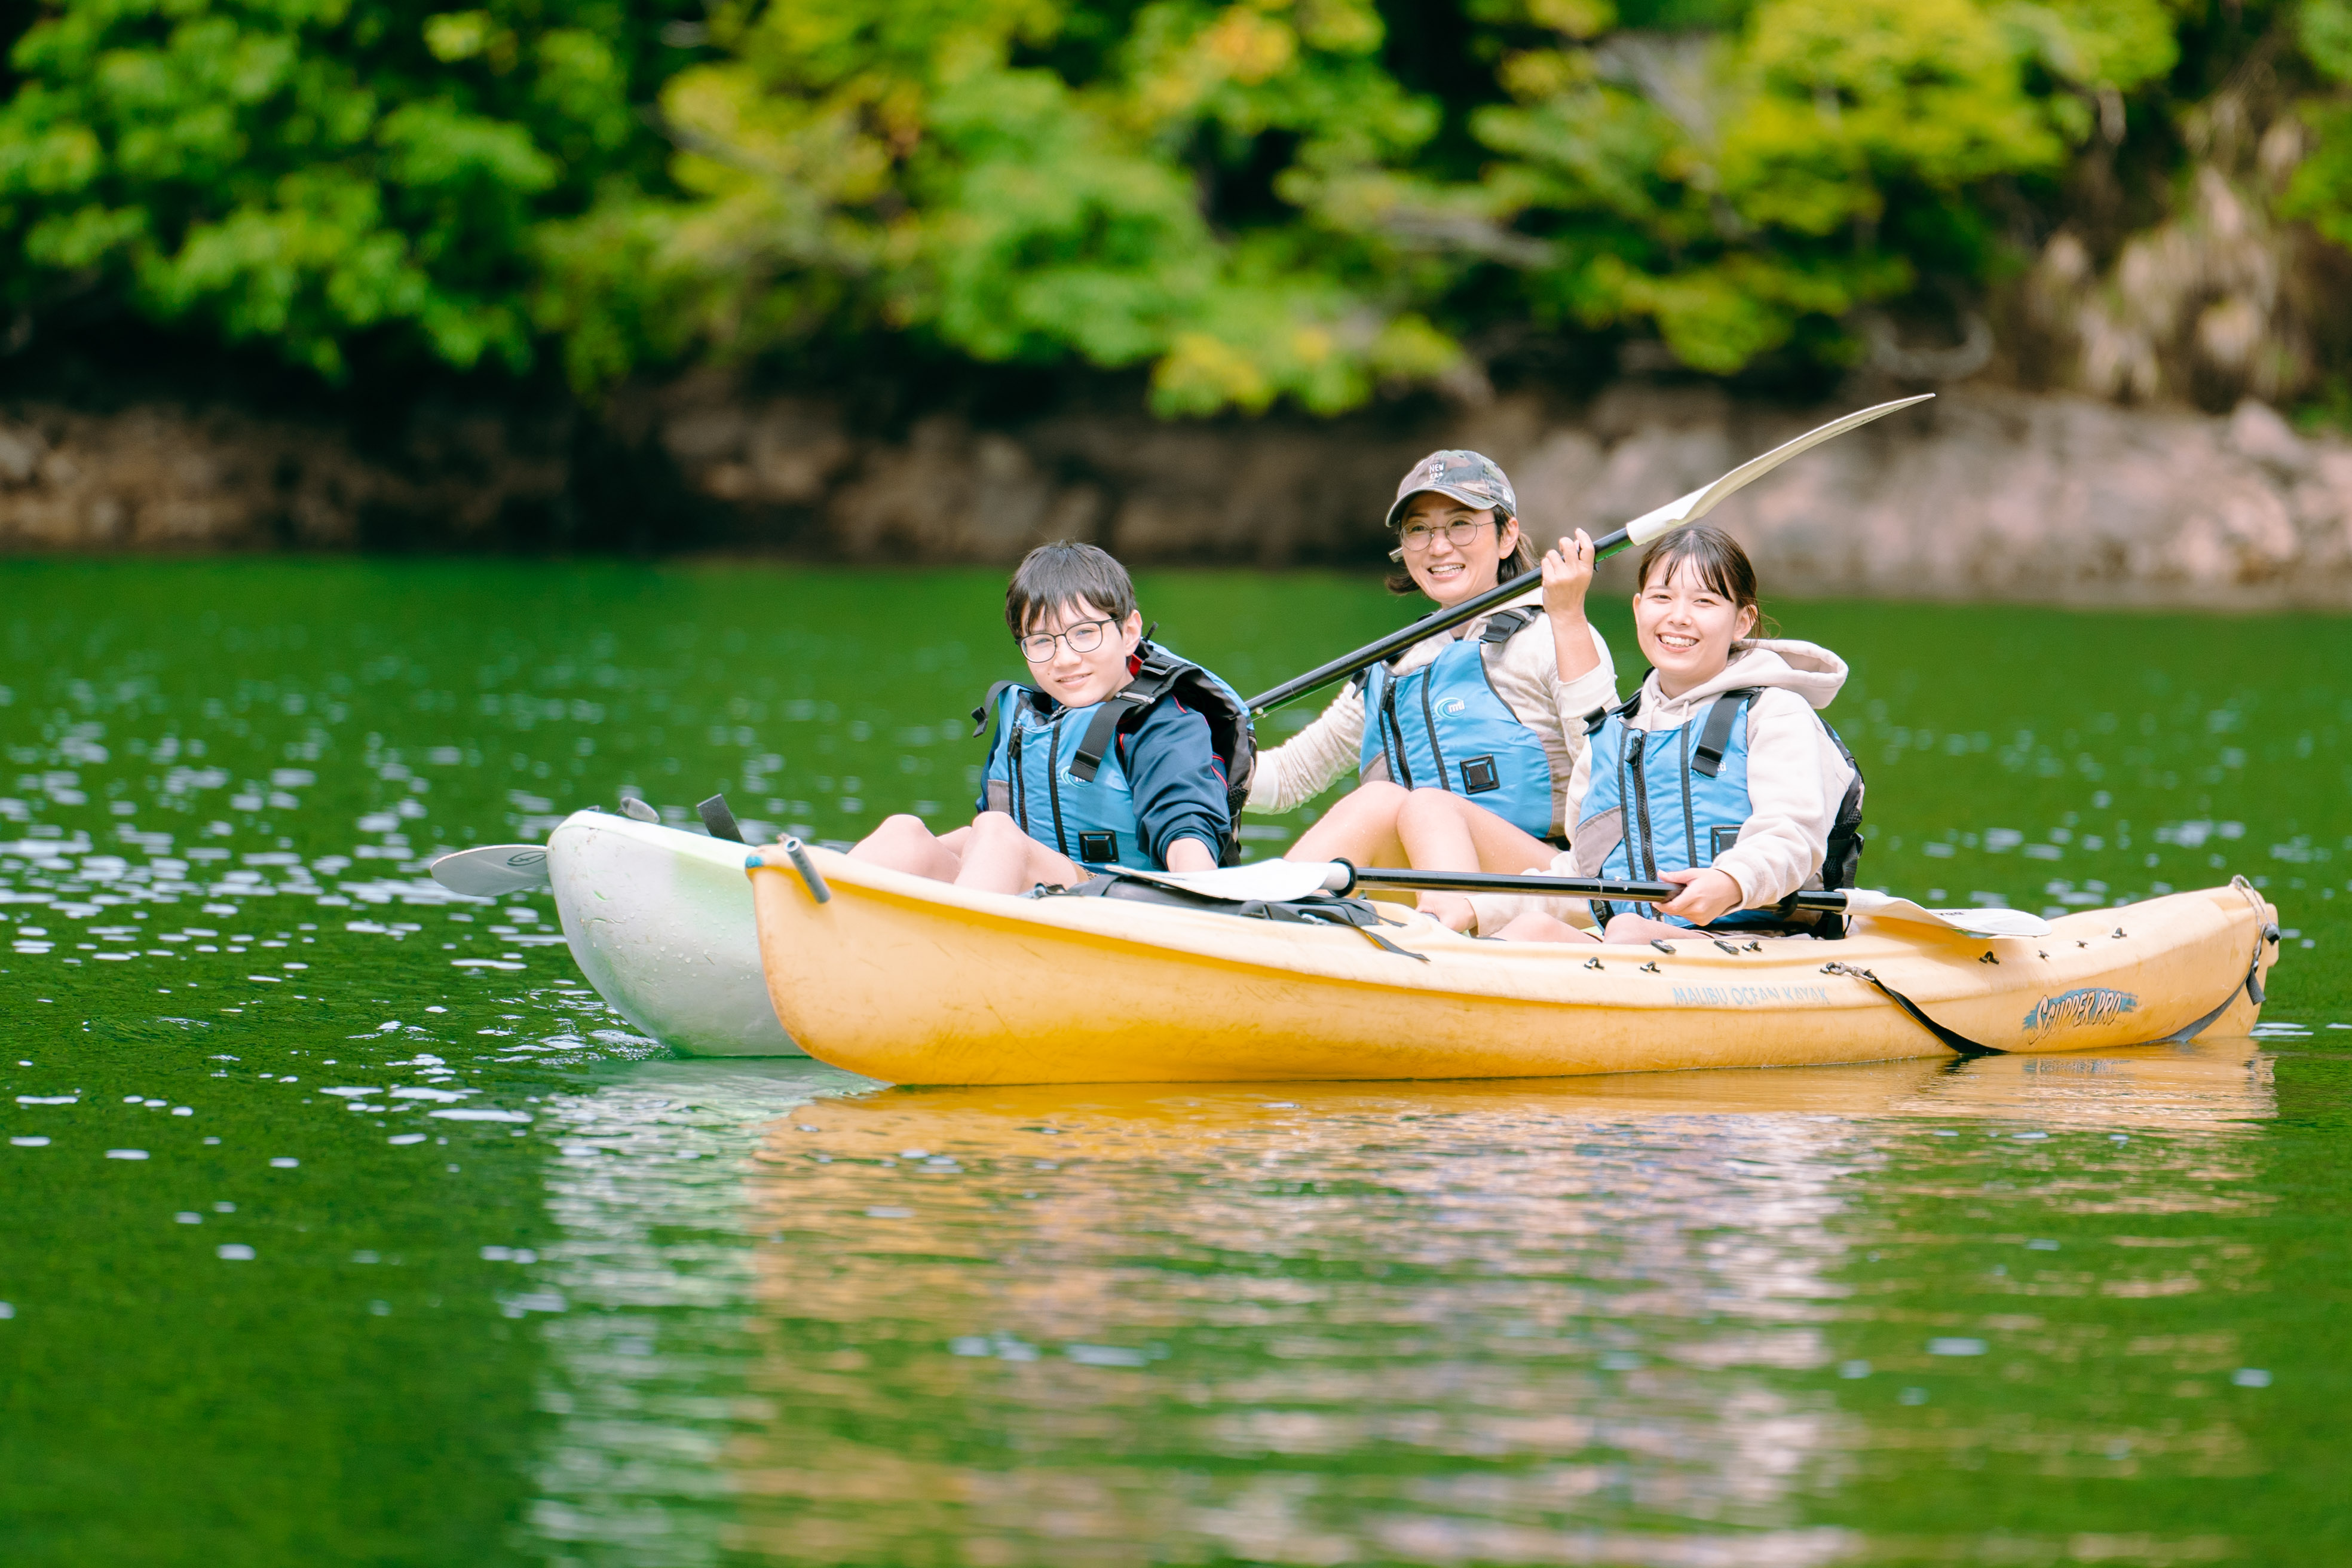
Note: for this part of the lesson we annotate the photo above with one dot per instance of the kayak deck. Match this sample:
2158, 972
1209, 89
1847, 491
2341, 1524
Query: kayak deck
918, 982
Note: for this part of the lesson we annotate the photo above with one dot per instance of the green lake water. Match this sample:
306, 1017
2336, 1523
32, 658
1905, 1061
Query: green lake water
567, 1298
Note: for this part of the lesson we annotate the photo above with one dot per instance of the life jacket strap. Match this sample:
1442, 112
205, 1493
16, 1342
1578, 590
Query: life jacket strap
982, 715
1598, 719
1716, 736
1504, 624
1118, 711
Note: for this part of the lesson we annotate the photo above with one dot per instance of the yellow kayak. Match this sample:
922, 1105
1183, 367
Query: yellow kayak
916, 982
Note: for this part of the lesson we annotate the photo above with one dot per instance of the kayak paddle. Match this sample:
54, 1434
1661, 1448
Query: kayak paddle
1640, 531
1281, 881
491, 869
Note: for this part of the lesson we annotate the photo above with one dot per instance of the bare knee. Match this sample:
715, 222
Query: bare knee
901, 831
1532, 927
1632, 928
1424, 805
1378, 801
995, 828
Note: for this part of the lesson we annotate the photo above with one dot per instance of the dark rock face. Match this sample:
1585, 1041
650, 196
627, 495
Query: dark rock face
1982, 494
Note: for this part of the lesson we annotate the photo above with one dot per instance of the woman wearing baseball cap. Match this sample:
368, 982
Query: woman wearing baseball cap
1492, 711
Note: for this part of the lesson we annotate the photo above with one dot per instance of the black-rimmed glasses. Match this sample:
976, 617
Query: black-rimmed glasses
1083, 637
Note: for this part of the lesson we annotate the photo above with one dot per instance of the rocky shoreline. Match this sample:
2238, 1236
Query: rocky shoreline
1985, 494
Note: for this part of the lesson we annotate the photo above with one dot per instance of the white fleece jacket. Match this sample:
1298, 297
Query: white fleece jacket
1527, 678
1795, 777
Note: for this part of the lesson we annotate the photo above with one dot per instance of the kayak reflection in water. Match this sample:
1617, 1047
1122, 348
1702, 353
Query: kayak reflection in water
1491, 711
1718, 776
1117, 750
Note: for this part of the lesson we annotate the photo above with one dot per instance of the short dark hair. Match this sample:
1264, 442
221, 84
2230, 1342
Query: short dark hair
1722, 565
1056, 577
1519, 563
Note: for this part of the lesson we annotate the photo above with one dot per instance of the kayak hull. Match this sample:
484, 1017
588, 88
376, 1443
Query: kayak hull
916, 982
661, 922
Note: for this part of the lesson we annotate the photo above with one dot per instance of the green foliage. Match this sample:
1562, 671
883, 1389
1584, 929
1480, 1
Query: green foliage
900, 166
1238, 196
2321, 191
306, 171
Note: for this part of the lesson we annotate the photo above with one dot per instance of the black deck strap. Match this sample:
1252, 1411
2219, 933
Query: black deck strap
718, 821
1960, 1043
1717, 734
2253, 988
1385, 945
987, 709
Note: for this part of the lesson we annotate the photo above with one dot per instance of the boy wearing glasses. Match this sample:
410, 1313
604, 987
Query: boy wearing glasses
1116, 752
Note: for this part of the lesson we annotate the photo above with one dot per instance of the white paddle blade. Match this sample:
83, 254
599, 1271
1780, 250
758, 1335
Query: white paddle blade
491, 869
1699, 502
1975, 922
1272, 881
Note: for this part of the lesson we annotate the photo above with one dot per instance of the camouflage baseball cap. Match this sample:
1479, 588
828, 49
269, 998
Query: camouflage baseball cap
1470, 478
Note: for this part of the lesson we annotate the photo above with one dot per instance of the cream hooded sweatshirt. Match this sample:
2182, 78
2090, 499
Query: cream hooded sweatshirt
1796, 778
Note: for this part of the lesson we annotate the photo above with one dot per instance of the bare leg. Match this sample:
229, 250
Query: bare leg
1633, 928
904, 844
1543, 928
1443, 831
999, 858
1361, 828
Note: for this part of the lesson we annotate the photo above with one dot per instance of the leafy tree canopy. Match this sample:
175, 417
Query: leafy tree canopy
1254, 200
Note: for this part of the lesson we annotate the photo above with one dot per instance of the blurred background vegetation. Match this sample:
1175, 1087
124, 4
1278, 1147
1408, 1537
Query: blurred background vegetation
1307, 201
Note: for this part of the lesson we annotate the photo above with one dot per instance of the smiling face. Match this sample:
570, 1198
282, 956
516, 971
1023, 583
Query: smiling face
1685, 627
1450, 573
1078, 679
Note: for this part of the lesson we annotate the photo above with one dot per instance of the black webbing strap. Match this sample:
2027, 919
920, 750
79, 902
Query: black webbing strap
1153, 681
2253, 988
1115, 713
987, 709
1717, 734
1506, 624
1600, 716
1960, 1043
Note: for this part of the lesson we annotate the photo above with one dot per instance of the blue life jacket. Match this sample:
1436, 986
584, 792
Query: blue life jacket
1670, 800
1056, 771
1442, 726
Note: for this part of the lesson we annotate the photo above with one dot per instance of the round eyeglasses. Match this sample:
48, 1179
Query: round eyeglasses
1462, 533
1083, 637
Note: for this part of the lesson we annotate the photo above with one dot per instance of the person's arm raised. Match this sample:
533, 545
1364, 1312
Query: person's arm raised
1567, 578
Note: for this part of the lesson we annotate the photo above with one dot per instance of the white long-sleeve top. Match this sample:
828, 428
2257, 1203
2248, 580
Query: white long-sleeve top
1796, 779
1525, 677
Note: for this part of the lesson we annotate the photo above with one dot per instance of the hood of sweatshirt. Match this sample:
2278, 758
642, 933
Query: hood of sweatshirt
1809, 669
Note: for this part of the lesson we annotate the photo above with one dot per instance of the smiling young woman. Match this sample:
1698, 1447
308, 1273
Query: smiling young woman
1491, 711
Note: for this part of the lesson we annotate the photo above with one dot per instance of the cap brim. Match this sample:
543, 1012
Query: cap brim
1481, 503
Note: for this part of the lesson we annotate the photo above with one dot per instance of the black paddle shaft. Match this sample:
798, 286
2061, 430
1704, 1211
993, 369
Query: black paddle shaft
1429, 626
1554, 887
